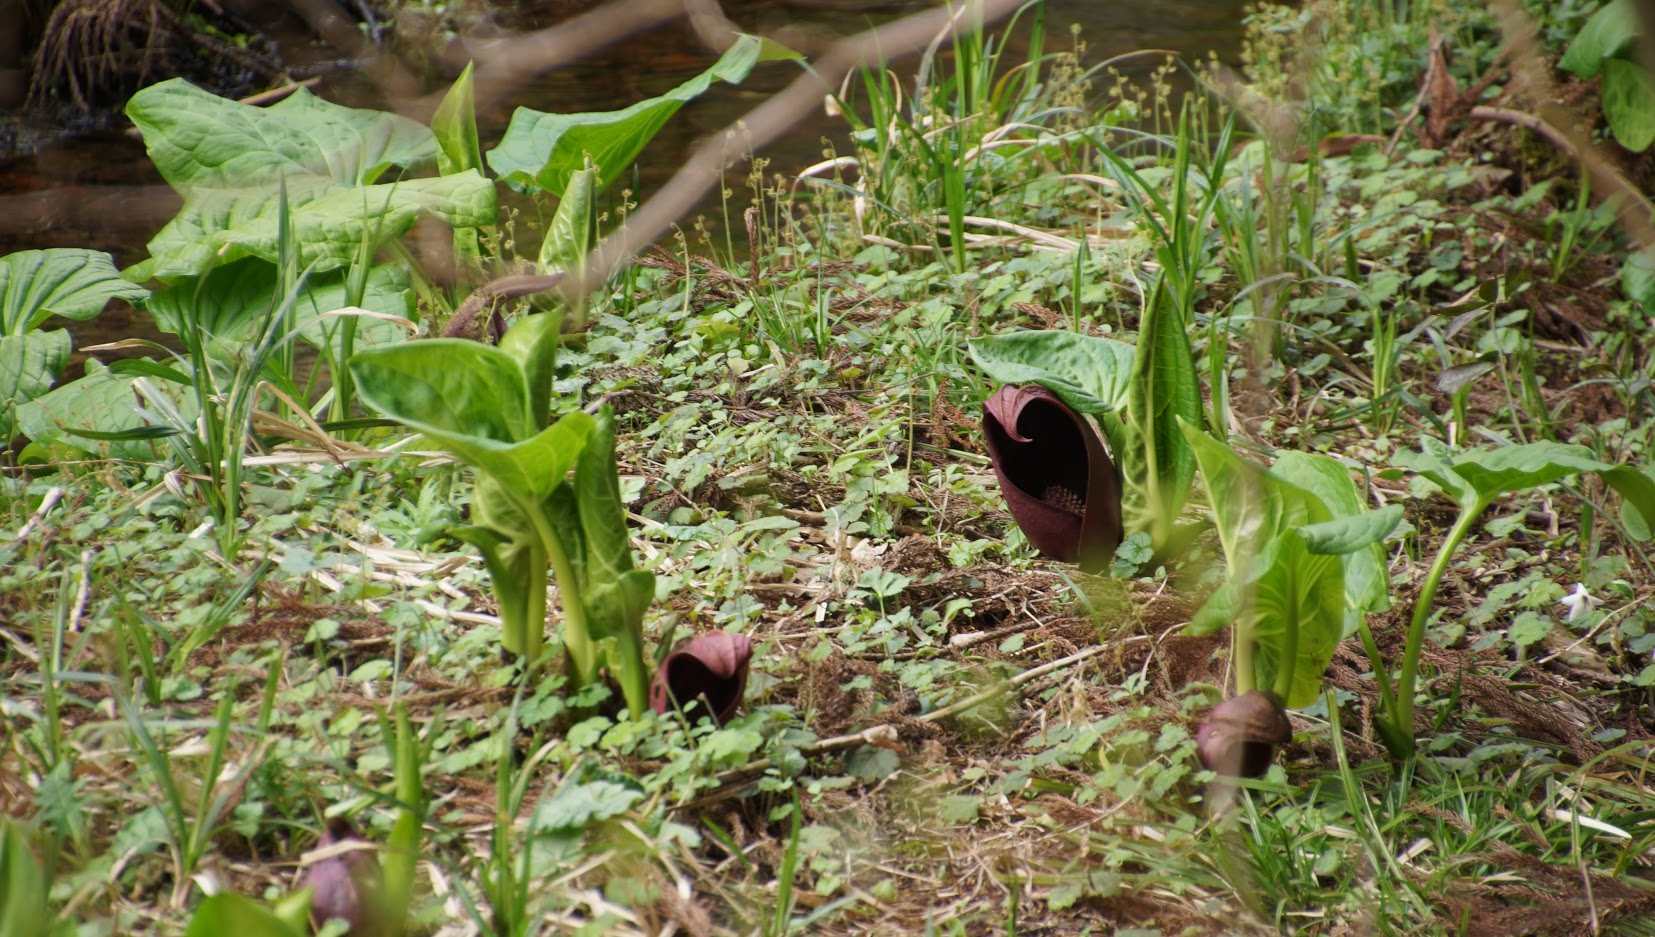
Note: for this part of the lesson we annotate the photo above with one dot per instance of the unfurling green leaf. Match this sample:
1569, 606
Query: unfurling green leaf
1162, 390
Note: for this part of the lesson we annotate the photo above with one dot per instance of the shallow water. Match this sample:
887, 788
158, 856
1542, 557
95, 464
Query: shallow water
98, 190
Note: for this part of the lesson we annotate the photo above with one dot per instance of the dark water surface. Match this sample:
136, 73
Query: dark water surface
100, 191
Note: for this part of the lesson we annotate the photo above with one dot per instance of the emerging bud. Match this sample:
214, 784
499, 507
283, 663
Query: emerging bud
1055, 474
711, 667
1240, 735
348, 886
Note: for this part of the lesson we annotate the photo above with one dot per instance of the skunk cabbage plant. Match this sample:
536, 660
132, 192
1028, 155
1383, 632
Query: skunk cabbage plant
711, 667
1085, 436
547, 491
1055, 473
1240, 735
1304, 564
348, 884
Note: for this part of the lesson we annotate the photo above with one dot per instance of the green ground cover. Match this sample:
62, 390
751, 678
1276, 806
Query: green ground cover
245, 616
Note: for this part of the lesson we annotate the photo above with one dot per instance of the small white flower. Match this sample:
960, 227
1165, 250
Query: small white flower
1580, 603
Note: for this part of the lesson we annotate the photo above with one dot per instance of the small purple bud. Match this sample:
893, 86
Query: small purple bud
1240, 735
711, 666
1055, 474
348, 886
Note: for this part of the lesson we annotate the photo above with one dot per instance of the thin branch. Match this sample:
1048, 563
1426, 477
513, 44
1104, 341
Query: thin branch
505, 64
766, 123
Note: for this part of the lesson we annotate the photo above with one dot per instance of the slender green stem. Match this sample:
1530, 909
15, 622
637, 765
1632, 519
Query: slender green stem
1382, 672
1242, 653
533, 625
1401, 712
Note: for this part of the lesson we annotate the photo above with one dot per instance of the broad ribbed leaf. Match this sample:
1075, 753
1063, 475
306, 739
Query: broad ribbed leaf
231, 303
1090, 374
229, 162
470, 398
29, 364
103, 403
64, 281
541, 151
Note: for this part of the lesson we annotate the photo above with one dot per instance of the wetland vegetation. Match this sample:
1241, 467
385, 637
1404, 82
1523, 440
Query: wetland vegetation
1141, 496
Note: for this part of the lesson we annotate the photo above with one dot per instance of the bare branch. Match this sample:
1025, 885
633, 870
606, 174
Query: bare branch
767, 122
504, 64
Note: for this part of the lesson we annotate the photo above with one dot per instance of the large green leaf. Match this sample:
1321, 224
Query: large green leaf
29, 364
1629, 103
230, 161
1291, 599
541, 151
1611, 29
229, 913
471, 399
447, 387
1476, 477
1090, 374
231, 303
1492, 473
64, 281
102, 403
1352, 532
